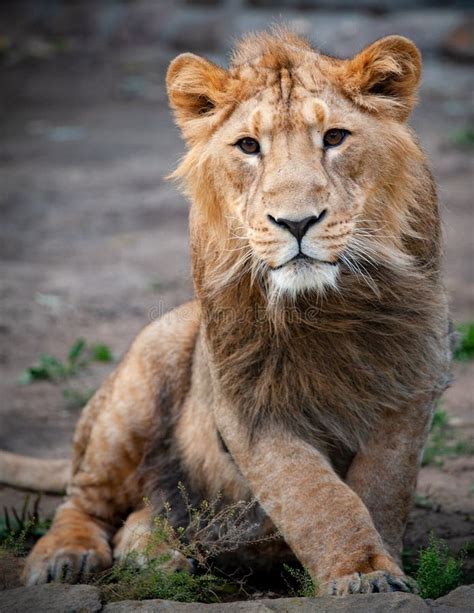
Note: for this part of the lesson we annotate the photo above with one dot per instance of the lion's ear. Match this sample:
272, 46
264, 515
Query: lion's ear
195, 86
385, 76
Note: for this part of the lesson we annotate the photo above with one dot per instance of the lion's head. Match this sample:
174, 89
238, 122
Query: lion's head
300, 166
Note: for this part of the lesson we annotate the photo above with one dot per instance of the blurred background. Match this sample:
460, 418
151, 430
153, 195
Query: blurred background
93, 240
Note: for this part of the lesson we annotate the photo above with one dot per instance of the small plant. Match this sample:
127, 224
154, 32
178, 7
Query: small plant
50, 368
440, 442
18, 530
301, 584
409, 562
77, 398
55, 371
129, 581
101, 353
213, 528
437, 439
423, 502
465, 349
440, 420
464, 137
439, 571
14, 544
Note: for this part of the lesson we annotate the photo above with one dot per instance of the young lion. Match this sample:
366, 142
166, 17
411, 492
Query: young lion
305, 372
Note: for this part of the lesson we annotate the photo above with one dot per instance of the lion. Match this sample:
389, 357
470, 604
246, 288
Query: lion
305, 372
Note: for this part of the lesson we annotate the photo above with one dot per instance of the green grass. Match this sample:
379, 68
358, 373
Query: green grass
299, 582
422, 502
439, 571
101, 353
465, 349
19, 530
51, 368
409, 562
464, 137
440, 420
127, 581
77, 398
54, 370
441, 443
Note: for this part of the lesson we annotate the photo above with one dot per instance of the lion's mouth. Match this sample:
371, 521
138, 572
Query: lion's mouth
302, 258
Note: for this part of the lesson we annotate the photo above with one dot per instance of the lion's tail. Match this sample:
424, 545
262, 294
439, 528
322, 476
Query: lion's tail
49, 476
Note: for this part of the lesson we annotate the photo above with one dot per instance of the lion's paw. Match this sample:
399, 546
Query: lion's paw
367, 583
67, 565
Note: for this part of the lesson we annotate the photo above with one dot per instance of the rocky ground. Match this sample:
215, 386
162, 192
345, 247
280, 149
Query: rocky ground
87, 599
93, 240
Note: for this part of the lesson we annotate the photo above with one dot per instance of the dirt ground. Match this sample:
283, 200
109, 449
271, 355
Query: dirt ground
93, 240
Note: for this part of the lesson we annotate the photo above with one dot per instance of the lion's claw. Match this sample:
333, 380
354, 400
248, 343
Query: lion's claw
358, 583
64, 565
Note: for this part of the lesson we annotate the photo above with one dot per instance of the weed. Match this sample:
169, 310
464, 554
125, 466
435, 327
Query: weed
101, 353
129, 581
14, 543
409, 564
50, 368
212, 529
77, 398
464, 137
156, 286
465, 348
440, 420
468, 549
439, 571
18, 530
300, 584
440, 442
422, 502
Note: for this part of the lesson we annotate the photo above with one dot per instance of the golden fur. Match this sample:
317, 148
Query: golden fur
309, 383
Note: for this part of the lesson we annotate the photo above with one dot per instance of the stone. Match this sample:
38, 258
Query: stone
63, 598
51, 598
459, 600
362, 603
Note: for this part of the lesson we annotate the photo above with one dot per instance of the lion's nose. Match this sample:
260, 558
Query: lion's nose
298, 227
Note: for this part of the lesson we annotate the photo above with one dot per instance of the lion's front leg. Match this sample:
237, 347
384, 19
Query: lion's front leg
384, 473
108, 447
323, 520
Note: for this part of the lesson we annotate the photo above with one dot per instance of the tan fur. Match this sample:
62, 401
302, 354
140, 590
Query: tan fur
49, 476
306, 384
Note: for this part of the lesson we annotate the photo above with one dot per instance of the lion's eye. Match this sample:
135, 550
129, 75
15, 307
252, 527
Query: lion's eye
248, 145
334, 137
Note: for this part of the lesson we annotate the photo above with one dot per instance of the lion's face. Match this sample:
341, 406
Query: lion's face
293, 166
291, 161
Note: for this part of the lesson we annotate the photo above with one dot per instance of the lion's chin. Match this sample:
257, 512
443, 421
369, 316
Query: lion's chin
300, 277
